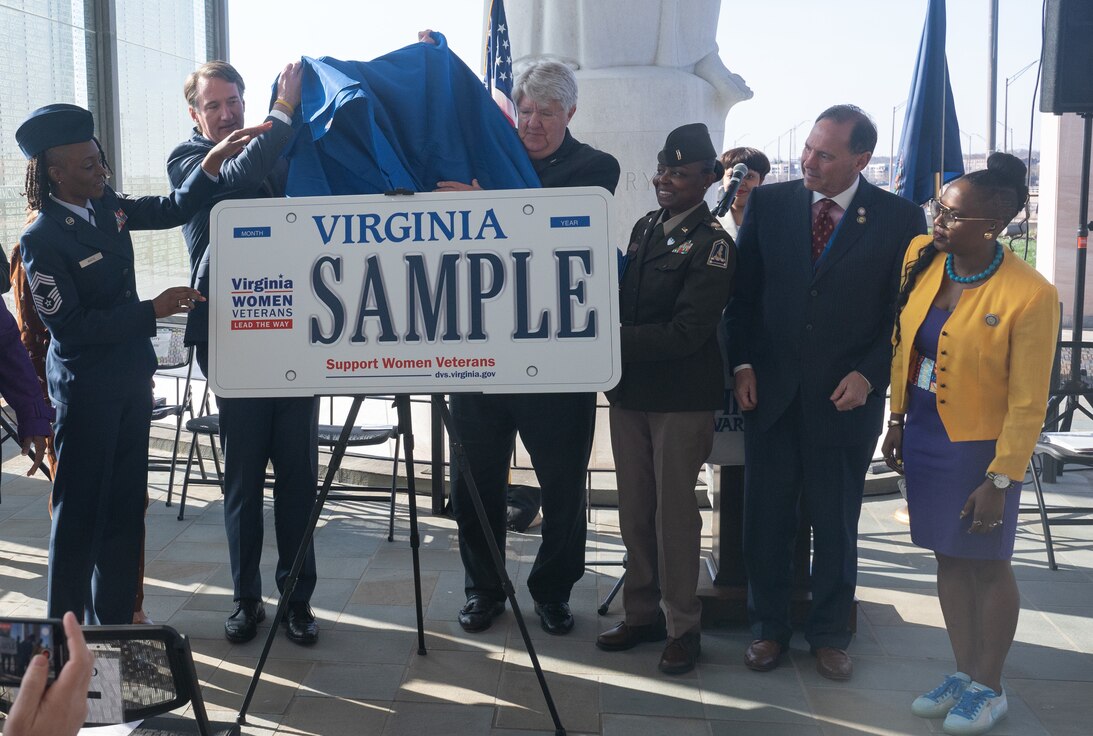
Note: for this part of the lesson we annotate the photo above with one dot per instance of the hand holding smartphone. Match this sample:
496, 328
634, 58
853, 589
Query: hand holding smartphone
21, 639
60, 709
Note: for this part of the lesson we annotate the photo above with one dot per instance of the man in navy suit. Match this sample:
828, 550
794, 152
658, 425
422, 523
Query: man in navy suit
254, 431
809, 335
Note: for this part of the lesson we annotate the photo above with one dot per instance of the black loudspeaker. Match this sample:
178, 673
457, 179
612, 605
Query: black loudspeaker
1068, 57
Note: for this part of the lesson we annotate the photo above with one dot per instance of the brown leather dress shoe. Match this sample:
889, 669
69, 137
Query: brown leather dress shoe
624, 636
834, 664
681, 655
762, 655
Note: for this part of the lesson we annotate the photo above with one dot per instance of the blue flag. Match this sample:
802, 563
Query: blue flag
930, 122
408, 119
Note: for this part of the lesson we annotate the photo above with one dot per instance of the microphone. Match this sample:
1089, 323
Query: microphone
738, 173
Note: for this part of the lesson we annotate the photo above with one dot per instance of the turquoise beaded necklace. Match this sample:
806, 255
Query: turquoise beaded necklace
984, 274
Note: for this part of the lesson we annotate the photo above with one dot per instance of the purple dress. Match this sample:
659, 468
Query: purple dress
942, 474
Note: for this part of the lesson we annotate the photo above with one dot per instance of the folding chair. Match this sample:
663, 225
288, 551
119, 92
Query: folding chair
363, 436
1063, 447
1059, 448
175, 361
202, 425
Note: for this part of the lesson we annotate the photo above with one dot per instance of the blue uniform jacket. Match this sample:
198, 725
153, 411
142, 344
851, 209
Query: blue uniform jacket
83, 281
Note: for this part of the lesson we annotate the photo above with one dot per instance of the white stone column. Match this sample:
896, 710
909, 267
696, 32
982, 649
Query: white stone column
644, 67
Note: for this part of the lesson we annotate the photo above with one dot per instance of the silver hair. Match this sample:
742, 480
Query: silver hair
544, 81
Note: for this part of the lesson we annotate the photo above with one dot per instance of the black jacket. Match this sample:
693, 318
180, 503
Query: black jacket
671, 295
577, 164
804, 328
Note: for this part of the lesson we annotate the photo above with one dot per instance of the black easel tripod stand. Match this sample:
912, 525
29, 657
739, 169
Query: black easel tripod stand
402, 404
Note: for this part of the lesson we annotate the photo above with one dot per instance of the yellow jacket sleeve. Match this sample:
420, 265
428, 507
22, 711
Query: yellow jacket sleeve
1031, 354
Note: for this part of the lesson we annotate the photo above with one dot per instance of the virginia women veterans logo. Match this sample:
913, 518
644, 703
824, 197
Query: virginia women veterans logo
263, 303
47, 298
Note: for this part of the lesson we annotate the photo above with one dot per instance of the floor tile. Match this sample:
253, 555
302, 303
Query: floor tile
627, 725
410, 718
366, 676
735, 693
650, 696
521, 704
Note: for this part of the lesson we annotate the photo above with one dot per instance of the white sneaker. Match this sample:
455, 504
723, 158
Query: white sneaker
978, 710
939, 701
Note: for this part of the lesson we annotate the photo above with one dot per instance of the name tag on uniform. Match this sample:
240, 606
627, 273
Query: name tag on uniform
90, 259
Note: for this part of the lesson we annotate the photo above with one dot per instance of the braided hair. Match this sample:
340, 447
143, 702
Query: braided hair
914, 268
37, 182
37, 186
1002, 188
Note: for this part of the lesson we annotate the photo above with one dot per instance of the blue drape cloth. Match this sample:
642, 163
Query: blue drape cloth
407, 119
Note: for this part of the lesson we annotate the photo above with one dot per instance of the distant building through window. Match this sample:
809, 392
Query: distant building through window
125, 60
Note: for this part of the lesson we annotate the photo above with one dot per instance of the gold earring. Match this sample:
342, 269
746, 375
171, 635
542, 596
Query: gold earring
988, 236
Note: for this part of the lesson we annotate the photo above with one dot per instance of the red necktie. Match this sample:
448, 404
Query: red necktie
822, 227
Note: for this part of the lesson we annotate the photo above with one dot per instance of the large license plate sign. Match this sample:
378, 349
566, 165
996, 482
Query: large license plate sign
502, 291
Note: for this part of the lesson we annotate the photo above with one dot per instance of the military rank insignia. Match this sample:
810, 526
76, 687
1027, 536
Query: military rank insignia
120, 217
47, 297
683, 248
719, 254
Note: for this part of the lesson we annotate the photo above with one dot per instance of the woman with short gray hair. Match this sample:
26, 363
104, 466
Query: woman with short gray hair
545, 79
545, 94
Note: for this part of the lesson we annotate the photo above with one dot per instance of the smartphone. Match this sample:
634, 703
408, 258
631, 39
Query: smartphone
23, 638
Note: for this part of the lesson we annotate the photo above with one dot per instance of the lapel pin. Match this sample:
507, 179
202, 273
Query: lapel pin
70, 221
861, 215
991, 320
671, 241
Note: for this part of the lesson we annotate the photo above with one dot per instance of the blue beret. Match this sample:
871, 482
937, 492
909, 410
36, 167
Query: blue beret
686, 144
54, 125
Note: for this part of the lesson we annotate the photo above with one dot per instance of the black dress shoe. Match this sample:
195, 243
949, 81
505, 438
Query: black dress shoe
479, 612
556, 618
300, 626
242, 625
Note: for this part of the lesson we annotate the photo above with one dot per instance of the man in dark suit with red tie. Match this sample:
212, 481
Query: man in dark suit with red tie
809, 336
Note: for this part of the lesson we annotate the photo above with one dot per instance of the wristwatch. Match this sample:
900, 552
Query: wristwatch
1001, 481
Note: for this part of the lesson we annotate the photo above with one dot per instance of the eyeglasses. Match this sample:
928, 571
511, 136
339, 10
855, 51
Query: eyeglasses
948, 219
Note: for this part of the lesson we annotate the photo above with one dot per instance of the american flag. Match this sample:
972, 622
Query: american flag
498, 63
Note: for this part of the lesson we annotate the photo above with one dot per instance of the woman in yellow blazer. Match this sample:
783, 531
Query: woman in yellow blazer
974, 343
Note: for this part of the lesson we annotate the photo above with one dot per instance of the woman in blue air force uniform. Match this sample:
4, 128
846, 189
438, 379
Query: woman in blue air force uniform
79, 260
